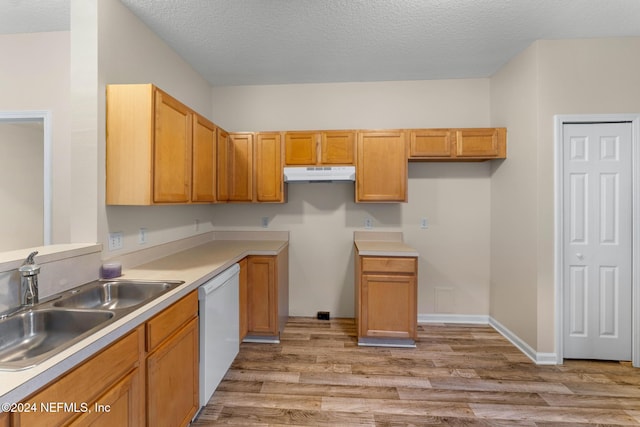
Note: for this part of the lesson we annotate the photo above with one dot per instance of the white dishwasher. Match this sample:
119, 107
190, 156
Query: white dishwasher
219, 329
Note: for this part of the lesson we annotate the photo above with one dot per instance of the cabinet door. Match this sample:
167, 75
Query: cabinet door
86, 383
243, 299
382, 167
204, 160
120, 406
240, 172
4, 419
172, 379
337, 148
262, 310
129, 144
222, 165
300, 148
388, 307
268, 171
481, 143
172, 150
428, 143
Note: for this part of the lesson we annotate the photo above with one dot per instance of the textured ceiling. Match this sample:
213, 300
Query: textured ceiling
239, 42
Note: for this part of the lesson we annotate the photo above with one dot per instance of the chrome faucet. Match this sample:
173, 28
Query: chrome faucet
29, 281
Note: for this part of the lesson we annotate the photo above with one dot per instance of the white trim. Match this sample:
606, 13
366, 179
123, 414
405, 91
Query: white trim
559, 120
479, 319
45, 115
538, 358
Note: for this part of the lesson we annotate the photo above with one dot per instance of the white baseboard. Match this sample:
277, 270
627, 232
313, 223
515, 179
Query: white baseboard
536, 357
478, 319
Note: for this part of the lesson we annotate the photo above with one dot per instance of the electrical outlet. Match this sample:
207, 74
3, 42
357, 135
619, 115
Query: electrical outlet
116, 241
424, 223
142, 236
265, 222
368, 223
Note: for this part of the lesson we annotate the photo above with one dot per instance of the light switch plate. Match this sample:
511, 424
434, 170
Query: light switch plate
368, 223
116, 241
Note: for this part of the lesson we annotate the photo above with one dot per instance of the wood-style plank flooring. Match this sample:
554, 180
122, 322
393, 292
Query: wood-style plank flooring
461, 375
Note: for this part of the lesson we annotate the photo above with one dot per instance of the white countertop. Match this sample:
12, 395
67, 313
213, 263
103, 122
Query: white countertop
388, 244
194, 266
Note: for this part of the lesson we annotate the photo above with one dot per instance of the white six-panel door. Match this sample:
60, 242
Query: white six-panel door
597, 240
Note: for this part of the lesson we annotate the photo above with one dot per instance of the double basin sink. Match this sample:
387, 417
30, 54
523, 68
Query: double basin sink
31, 335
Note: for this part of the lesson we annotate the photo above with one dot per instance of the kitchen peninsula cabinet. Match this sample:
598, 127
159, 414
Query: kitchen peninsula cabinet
172, 364
151, 138
381, 168
320, 148
148, 377
472, 144
386, 275
112, 377
267, 298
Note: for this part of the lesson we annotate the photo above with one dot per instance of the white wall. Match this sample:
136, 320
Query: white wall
454, 250
35, 76
113, 46
514, 199
551, 77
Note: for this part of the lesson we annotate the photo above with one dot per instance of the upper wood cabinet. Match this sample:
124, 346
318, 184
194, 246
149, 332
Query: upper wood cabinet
158, 150
458, 144
381, 170
203, 188
240, 167
268, 167
250, 167
319, 148
222, 165
300, 148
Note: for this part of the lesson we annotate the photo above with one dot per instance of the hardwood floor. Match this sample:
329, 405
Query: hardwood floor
461, 375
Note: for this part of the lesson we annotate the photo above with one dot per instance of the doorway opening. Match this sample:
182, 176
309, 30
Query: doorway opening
27, 143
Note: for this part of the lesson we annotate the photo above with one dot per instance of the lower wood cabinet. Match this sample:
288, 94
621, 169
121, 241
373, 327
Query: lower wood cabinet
172, 379
244, 326
120, 406
113, 375
148, 377
386, 297
172, 364
267, 296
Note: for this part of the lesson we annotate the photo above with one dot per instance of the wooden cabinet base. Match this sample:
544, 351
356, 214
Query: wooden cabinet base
386, 300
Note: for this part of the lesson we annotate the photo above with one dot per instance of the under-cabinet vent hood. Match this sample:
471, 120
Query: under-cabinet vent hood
320, 174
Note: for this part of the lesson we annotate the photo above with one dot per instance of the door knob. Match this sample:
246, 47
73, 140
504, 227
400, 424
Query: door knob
579, 256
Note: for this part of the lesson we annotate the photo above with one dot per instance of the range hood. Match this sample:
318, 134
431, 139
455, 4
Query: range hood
319, 174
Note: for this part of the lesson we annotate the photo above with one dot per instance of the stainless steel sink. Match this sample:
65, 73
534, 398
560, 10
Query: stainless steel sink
115, 295
30, 336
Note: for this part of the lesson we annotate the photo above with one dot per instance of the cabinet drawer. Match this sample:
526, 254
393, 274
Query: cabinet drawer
85, 383
388, 265
170, 320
